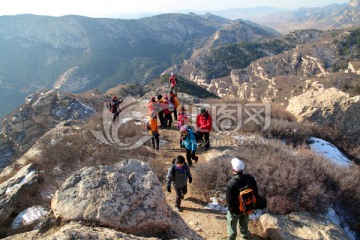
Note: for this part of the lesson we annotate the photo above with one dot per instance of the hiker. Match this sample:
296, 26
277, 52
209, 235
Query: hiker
161, 111
175, 101
178, 173
114, 107
237, 182
173, 83
153, 130
204, 125
167, 111
183, 119
189, 142
152, 104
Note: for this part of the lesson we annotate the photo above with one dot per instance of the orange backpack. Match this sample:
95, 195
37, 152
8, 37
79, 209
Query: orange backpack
247, 200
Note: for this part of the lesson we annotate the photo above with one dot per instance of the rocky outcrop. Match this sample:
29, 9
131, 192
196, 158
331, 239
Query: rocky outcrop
329, 107
42, 112
127, 196
15, 193
71, 81
299, 225
75, 230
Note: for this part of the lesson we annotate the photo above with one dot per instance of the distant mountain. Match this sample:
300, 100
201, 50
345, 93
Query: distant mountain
329, 17
248, 13
75, 53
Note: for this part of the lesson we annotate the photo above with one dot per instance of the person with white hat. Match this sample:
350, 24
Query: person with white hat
237, 182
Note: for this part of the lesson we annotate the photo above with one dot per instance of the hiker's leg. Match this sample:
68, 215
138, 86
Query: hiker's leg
188, 157
232, 220
175, 114
243, 222
193, 156
157, 141
178, 197
207, 140
199, 137
184, 190
161, 118
153, 141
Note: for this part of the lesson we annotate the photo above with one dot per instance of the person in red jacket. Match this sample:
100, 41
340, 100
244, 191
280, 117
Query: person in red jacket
204, 125
173, 83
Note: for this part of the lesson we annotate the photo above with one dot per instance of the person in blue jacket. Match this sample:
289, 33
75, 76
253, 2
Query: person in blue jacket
190, 144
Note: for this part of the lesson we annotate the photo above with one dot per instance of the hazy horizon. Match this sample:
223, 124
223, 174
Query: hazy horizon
118, 9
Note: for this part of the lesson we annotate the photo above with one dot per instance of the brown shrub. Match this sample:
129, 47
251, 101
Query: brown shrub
278, 112
211, 175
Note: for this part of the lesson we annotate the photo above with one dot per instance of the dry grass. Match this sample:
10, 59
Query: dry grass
291, 179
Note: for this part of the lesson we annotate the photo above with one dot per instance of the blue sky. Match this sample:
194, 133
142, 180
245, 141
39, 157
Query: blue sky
117, 8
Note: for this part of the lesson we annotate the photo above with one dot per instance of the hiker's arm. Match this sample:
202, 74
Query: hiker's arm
231, 198
169, 177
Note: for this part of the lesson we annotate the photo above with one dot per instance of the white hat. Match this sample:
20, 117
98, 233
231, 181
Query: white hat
237, 164
172, 73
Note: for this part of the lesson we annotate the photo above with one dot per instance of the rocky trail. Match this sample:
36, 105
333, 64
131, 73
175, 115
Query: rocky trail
203, 223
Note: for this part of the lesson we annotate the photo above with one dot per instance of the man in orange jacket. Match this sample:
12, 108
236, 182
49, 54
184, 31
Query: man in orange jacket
204, 125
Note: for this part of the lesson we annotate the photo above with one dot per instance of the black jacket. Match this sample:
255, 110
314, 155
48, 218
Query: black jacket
233, 189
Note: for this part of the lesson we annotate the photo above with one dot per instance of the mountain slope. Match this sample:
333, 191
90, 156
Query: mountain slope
329, 17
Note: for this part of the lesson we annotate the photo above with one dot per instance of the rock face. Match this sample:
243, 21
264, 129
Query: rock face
127, 196
71, 81
42, 112
331, 107
299, 225
12, 191
77, 231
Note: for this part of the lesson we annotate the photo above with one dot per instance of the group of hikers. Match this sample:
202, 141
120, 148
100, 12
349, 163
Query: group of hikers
167, 109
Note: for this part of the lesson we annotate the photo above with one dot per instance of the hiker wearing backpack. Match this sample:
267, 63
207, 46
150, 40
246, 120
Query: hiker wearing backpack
175, 101
189, 142
168, 111
182, 118
204, 125
173, 83
178, 173
239, 209
153, 130
161, 110
114, 107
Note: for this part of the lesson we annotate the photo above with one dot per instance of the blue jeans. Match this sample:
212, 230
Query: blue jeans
232, 220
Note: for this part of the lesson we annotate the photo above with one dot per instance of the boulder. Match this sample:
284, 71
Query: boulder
127, 196
42, 112
299, 225
75, 230
329, 107
14, 193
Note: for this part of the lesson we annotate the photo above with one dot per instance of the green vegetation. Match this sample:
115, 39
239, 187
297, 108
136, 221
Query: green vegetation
189, 87
222, 60
350, 45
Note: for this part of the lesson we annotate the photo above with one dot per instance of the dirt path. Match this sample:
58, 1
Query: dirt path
207, 223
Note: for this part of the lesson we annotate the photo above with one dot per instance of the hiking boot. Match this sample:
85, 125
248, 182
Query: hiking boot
178, 209
157, 148
196, 158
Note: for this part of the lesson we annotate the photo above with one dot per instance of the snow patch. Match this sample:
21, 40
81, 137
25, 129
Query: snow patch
29, 216
214, 205
18, 185
329, 151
